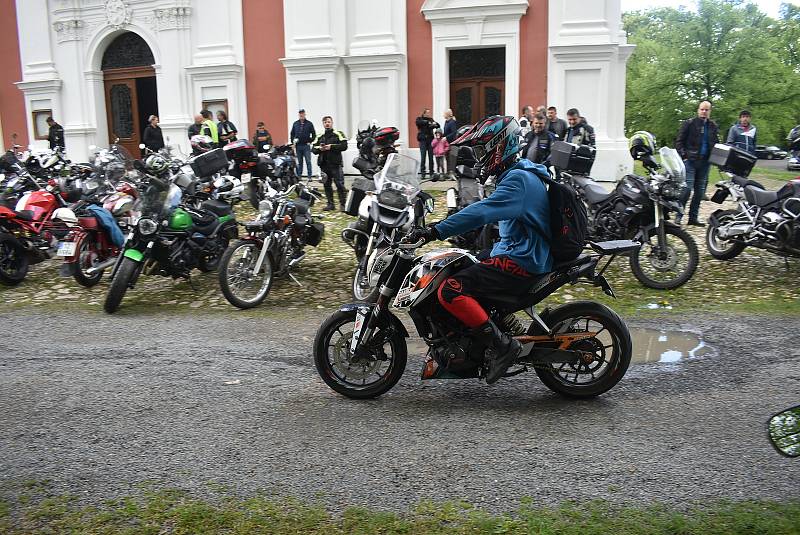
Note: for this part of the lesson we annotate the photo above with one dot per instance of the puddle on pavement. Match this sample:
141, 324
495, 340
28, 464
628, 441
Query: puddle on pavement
649, 346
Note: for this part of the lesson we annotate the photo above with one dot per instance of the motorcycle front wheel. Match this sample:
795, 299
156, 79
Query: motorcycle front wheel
359, 378
719, 248
119, 284
610, 347
669, 267
362, 291
240, 286
13, 263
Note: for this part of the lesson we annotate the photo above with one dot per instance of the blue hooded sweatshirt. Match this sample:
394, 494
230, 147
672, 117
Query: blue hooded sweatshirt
521, 206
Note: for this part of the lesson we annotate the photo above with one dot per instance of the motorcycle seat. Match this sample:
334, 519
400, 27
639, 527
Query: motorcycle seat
595, 193
207, 228
564, 266
218, 207
25, 215
760, 197
739, 181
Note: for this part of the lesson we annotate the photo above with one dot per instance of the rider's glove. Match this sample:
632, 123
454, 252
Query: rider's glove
426, 234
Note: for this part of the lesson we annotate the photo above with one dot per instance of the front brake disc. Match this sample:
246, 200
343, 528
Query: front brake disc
343, 359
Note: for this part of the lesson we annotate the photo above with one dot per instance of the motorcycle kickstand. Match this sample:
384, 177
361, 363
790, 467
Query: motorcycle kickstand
295, 279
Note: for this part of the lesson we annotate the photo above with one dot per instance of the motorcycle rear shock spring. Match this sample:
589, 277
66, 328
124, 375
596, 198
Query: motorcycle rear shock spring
514, 325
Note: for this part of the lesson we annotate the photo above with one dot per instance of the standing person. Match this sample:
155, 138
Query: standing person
262, 137
55, 134
742, 135
227, 130
440, 149
694, 142
153, 138
450, 126
211, 125
302, 134
579, 131
330, 145
539, 141
555, 124
198, 128
526, 120
425, 127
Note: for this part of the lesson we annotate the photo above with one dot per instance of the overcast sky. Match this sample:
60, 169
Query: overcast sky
770, 7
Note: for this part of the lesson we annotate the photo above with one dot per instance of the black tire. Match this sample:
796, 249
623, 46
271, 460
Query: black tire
77, 268
225, 268
682, 276
620, 336
326, 369
254, 191
715, 245
363, 294
14, 262
119, 284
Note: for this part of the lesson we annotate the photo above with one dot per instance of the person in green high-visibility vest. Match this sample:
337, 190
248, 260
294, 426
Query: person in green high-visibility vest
208, 120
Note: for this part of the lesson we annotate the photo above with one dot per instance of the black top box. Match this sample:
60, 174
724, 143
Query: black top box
208, 163
732, 160
572, 158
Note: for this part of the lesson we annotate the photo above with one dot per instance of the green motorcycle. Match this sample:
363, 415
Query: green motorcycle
171, 238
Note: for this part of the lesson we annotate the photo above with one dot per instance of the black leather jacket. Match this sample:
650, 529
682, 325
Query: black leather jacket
690, 138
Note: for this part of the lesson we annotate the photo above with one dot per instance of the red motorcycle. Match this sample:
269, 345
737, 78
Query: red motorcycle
90, 248
26, 231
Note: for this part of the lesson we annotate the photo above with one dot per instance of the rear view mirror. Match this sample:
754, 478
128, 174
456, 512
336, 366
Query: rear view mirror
784, 432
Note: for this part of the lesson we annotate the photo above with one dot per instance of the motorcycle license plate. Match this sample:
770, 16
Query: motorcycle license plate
66, 248
245, 178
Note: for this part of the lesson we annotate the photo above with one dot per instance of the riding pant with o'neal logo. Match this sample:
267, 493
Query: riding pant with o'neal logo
466, 293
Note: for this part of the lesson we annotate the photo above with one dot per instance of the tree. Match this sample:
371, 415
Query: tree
727, 52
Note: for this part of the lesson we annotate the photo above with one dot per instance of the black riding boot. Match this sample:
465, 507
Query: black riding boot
342, 198
329, 196
503, 349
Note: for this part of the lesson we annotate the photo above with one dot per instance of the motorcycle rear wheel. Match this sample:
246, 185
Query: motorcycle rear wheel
613, 350
119, 285
13, 263
334, 359
717, 247
685, 260
85, 262
235, 264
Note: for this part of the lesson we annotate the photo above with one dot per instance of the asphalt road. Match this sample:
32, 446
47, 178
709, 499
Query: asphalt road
97, 405
778, 165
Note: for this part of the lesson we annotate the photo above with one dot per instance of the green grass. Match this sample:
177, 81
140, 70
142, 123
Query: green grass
772, 177
173, 512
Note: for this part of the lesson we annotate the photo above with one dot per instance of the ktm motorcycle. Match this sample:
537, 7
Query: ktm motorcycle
579, 350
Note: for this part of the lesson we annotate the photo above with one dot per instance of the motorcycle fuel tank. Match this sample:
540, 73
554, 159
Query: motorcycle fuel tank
180, 220
39, 202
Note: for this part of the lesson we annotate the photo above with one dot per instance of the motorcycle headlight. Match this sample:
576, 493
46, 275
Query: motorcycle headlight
147, 226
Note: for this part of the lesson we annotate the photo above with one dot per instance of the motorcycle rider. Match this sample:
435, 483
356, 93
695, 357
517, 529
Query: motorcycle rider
742, 135
579, 131
538, 141
329, 145
521, 206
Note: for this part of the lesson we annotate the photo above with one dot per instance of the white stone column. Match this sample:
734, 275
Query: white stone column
588, 52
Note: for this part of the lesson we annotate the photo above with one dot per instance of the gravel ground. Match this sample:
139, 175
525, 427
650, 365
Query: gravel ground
98, 405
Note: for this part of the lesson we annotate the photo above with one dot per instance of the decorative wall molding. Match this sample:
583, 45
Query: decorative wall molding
173, 18
443, 10
69, 30
117, 13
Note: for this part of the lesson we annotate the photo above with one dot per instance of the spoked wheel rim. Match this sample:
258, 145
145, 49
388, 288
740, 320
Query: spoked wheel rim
243, 283
9, 259
353, 372
666, 264
601, 352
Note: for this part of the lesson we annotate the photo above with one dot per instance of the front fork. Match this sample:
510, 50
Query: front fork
373, 237
661, 229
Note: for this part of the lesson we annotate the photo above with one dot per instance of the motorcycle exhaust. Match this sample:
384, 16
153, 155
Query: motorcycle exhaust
101, 266
294, 261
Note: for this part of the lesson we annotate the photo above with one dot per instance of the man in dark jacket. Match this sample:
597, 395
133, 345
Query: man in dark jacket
742, 135
152, 137
330, 145
555, 124
55, 134
695, 140
579, 131
262, 137
425, 127
538, 141
302, 134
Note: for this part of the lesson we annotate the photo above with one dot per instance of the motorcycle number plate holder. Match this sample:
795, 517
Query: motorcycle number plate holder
66, 248
361, 315
246, 178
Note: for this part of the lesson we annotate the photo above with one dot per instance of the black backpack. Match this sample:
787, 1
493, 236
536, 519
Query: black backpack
569, 224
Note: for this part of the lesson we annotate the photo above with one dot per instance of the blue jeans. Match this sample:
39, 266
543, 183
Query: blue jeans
303, 153
696, 182
425, 149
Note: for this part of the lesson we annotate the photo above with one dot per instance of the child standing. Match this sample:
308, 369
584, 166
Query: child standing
440, 150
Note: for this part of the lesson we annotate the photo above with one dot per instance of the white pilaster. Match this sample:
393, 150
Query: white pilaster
588, 52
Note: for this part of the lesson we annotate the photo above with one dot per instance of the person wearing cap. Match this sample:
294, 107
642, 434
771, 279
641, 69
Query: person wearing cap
301, 135
742, 135
262, 138
152, 137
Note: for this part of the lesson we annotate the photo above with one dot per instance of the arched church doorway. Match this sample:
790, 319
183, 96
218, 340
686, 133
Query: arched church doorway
130, 89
